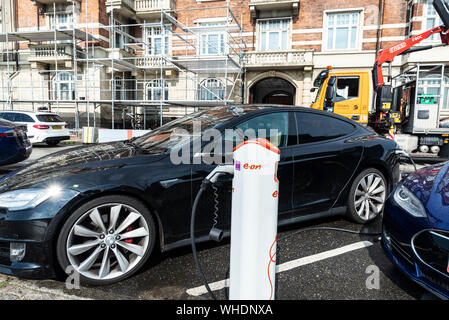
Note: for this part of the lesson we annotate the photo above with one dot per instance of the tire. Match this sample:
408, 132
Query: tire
87, 244
367, 196
52, 143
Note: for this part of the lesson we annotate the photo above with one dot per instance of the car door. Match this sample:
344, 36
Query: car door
325, 159
252, 128
348, 98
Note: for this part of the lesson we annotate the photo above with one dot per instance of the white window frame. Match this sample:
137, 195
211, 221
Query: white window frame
57, 86
69, 24
164, 35
222, 39
154, 85
359, 33
428, 6
259, 34
219, 89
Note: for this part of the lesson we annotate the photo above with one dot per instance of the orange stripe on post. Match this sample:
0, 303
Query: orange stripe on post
130, 134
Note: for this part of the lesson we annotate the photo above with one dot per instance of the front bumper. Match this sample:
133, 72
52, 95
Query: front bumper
36, 228
398, 242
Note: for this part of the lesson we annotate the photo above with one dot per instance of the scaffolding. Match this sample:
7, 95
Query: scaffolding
164, 67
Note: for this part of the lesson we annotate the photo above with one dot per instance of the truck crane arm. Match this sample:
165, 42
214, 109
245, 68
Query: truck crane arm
388, 54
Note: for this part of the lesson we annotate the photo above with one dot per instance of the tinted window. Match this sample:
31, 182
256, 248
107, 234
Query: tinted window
274, 127
347, 88
315, 127
49, 118
8, 116
21, 117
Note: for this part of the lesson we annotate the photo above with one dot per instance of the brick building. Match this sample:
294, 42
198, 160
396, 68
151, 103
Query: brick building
121, 59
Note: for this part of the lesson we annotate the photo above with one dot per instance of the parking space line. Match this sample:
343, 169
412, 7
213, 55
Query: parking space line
218, 285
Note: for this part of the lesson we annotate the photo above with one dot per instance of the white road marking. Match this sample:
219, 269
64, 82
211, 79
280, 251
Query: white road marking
218, 285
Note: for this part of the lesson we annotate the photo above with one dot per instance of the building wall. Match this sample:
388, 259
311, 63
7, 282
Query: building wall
308, 32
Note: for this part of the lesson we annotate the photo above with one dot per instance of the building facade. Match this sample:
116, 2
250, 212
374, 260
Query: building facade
139, 63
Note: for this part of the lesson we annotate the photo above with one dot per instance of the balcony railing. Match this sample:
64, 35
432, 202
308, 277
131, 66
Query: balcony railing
49, 52
290, 58
152, 62
145, 7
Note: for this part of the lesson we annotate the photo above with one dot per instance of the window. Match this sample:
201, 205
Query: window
343, 30
158, 40
211, 89
120, 34
431, 87
273, 127
432, 19
49, 118
8, 116
274, 34
61, 21
315, 127
347, 88
21, 117
212, 41
119, 88
64, 86
157, 90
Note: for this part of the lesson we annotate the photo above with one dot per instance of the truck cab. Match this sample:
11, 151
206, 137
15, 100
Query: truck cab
346, 93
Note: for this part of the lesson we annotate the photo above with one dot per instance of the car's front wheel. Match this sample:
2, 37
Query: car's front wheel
106, 240
367, 196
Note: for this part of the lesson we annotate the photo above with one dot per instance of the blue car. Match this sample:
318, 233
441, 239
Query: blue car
416, 228
14, 143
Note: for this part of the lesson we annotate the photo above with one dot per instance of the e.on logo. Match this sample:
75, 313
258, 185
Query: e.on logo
252, 166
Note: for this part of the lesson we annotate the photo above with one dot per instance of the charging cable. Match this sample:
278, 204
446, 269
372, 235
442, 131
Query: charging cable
215, 234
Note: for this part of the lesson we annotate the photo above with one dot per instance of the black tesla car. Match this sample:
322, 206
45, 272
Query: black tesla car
102, 209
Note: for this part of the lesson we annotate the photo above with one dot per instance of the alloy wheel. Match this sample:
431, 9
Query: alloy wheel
108, 241
369, 197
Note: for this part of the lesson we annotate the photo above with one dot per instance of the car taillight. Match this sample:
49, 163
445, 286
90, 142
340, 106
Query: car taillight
41, 127
66, 126
11, 133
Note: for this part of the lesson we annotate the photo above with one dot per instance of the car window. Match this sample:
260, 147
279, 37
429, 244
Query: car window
8, 116
49, 118
272, 126
316, 127
347, 88
21, 117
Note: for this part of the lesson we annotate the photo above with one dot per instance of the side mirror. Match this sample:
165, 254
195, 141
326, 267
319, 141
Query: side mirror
313, 90
330, 95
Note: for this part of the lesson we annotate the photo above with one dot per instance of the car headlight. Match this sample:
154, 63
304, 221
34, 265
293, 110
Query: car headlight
409, 202
26, 198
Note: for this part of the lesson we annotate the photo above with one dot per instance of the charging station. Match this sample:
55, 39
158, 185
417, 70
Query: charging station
254, 221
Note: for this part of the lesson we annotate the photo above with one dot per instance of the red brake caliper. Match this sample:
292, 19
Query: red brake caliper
127, 230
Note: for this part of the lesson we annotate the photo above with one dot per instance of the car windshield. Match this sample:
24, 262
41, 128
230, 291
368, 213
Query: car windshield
49, 118
178, 132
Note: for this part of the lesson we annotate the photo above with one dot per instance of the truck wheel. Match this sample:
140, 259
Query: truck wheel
367, 196
444, 151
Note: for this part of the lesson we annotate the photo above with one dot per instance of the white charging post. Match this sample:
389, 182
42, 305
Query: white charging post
254, 221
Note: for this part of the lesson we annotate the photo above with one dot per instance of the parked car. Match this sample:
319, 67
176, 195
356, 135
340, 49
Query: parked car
43, 127
416, 228
14, 144
102, 209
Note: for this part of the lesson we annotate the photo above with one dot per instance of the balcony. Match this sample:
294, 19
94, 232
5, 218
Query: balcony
49, 54
123, 7
289, 59
266, 5
149, 9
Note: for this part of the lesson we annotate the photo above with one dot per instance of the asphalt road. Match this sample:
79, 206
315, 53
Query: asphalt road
312, 265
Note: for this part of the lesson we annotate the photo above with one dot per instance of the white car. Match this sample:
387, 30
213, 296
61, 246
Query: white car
42, 127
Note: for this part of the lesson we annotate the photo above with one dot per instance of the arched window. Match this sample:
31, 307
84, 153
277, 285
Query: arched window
64, 86
157, 90
211, 89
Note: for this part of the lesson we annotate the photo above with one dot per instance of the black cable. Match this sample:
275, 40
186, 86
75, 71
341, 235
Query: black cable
192, 239
331, 229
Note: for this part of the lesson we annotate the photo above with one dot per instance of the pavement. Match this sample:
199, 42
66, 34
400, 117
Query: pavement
315, 265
